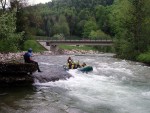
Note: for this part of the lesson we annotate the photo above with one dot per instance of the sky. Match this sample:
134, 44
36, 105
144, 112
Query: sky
37, 1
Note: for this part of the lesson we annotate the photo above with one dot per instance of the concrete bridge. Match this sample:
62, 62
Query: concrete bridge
53, 43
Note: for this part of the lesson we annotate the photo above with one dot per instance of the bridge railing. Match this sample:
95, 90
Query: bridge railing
72, 39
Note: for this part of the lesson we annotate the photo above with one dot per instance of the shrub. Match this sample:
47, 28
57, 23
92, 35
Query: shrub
145, 57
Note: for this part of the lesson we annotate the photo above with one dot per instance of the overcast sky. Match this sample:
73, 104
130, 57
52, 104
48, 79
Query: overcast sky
37, 1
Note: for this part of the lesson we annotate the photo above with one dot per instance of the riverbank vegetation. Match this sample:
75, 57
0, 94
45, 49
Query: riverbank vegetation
127, 22
36, 47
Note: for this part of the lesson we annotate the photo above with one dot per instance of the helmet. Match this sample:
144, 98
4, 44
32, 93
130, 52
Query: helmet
30, 50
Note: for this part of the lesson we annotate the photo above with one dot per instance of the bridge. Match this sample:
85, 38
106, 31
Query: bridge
80, 42
54, 43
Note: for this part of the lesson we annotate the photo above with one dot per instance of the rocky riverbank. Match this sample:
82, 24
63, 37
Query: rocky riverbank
5, 57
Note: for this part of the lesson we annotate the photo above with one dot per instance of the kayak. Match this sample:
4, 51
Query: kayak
85, 69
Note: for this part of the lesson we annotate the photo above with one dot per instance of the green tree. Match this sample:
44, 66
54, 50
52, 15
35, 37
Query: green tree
21, 19
84, 14
9, 39
101, 14
98, 34
120, 19
129, 22
61, 27
80, 27
89, 27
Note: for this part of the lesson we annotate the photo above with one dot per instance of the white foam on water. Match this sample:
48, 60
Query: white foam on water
146, 94
93, 89
45, 63
96, 89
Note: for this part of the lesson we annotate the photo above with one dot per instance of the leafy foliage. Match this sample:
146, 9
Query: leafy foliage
89, 27
62, 26
8, 37
145, 57
98, 34
127, 19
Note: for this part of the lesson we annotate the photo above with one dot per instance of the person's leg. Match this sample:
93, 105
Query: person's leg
36, 63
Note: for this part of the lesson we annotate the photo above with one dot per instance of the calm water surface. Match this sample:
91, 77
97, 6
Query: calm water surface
114, 86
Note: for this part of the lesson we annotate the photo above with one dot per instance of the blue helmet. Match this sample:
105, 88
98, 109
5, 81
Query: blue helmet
30, 50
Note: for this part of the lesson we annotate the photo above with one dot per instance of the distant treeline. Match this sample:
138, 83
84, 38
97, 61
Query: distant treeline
126, 21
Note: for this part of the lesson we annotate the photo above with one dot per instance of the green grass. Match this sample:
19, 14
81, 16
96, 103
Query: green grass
67, 47
36, 47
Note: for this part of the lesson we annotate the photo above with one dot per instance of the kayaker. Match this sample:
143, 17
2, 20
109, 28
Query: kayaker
70, 62
78, 64
28, 59
84, 64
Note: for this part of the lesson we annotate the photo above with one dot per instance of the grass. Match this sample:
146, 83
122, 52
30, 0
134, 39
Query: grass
36, 47
67, 47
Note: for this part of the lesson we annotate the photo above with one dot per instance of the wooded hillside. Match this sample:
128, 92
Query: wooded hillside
126, 21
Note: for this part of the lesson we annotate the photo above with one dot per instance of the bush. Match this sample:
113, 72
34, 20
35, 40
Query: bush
98, 34
7, 47
58, 37
145, 57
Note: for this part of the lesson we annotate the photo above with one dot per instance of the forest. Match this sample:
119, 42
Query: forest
127, 22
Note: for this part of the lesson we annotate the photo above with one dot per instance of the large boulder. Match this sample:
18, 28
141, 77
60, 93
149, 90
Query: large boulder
16, 73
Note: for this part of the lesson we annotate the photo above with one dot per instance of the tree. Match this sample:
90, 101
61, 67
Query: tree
80, 27
119, 19
128, 20
101, 14
21, 20
138, 25
9, 39
98, 34
61, 27
89, 27
84, 14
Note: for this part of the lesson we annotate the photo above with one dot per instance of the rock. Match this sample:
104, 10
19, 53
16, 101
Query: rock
16, 73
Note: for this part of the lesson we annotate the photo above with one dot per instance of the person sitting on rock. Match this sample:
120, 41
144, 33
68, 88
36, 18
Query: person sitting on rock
28, 59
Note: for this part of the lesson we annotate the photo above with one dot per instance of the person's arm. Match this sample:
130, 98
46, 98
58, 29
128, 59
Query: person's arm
30, 57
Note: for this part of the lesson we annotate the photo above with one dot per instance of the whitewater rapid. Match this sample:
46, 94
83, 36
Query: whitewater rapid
114, 86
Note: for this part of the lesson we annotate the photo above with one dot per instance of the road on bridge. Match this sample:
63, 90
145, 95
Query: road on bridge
78, 42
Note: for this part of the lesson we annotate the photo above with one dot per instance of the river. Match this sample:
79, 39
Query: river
114, 86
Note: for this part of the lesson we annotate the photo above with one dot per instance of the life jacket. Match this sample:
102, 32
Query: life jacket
27, 56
